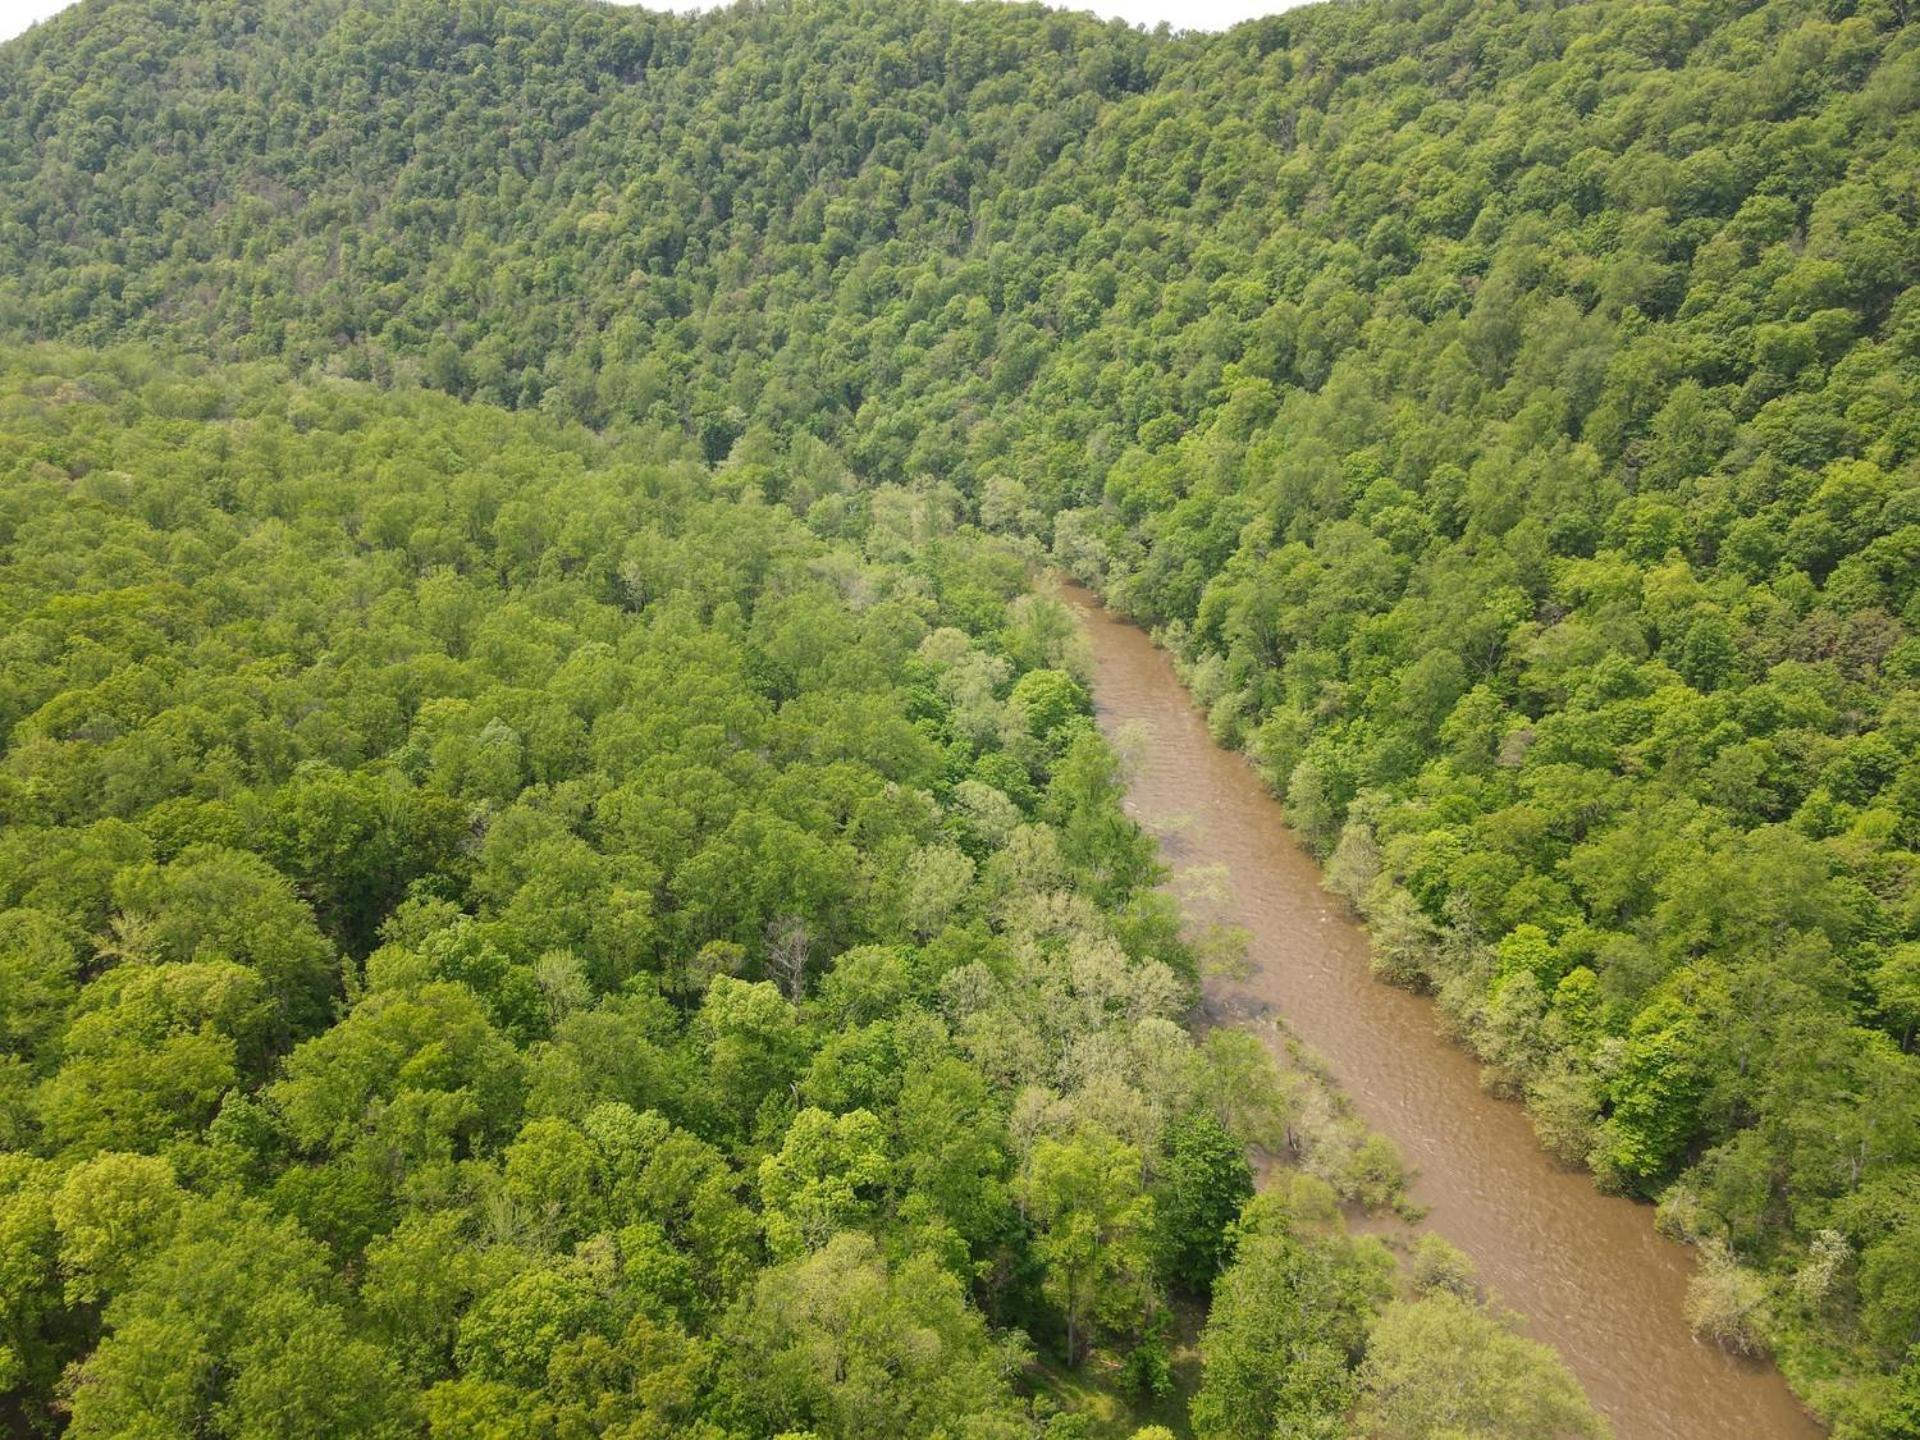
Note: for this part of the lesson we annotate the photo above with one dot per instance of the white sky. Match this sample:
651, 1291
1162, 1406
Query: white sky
17, 15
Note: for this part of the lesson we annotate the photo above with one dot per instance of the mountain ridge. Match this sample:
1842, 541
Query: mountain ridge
1505, 411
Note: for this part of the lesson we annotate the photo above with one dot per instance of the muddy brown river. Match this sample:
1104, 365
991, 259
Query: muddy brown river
1587, 1271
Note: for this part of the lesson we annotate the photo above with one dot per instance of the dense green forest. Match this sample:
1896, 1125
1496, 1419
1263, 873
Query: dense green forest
1506, 411
505, 932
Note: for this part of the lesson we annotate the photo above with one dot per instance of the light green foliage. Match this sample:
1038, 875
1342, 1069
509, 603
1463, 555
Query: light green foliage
1442, 1366
213, 904
1506, 414
1048, 700
1441, 1267
419, 1073
954, 1154
39, 967
1094, 1233
1289, 1320
532, 991
756, 1043
417, 1278
510, 1333
1727, 1303
149, 1052
554, 1178
110, 1212
231, 1322
827, 1177
842, 1345
29, 1251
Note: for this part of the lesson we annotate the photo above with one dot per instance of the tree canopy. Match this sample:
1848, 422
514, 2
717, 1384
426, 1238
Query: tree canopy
1505, 411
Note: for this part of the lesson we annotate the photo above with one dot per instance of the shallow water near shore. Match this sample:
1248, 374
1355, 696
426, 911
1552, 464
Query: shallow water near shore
1587, 1272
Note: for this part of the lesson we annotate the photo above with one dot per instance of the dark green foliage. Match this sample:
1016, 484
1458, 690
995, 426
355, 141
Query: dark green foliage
478, 966
1507, 412
1289, 1320
1203, 1183
1903, 1414
1148, 1371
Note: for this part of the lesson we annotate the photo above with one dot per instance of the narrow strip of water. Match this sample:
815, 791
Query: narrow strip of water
1587, 1271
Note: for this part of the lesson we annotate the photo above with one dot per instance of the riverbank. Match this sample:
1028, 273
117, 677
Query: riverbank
1588, 1271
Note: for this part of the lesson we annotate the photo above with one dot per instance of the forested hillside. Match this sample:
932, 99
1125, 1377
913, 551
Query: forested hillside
1508, 411
501, 935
